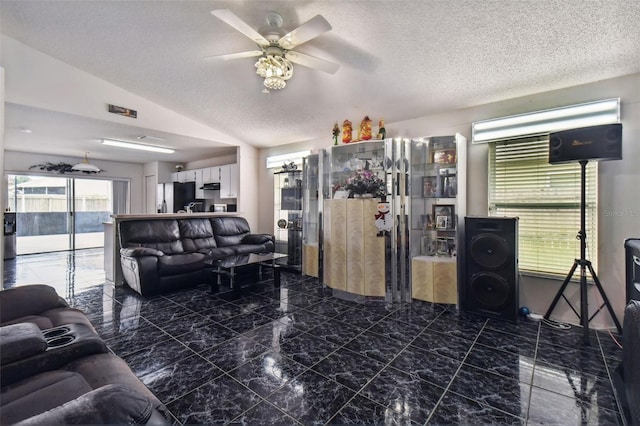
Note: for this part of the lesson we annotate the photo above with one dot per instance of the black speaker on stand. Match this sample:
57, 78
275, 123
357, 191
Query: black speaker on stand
584, 144
490, 285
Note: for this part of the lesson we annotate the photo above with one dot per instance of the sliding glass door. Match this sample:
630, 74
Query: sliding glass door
91, 208
59, 213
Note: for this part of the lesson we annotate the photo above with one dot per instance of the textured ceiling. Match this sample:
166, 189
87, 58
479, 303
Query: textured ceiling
399, 59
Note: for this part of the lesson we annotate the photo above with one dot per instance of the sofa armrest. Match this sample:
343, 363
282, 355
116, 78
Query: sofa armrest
28, 300
110, 404
18, 341
630, 358
140, 251
257, 238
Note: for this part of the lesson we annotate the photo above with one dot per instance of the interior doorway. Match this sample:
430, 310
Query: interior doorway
59, 213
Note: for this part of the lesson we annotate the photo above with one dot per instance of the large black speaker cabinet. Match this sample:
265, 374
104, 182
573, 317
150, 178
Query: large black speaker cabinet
490, 285
632, 262
587, 143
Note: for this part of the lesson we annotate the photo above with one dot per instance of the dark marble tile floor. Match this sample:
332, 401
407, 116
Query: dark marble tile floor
296, 355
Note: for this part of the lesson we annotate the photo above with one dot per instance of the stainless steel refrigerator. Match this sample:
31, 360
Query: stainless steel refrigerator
177, 195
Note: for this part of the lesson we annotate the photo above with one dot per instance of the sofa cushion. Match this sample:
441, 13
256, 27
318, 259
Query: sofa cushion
40, 393
104, 369
28, 300
38, 304
197, 234
158, 234
108, 405
229, 231
177, 264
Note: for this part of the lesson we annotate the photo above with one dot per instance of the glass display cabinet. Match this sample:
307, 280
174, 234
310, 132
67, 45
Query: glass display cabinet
288, 217
311, 214
437, 210
363, 182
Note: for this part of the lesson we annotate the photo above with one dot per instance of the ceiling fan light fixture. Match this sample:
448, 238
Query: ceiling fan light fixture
85, 166
275, 70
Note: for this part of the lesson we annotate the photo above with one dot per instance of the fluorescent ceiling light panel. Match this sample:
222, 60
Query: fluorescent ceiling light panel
278, 160
547, 121
142, 147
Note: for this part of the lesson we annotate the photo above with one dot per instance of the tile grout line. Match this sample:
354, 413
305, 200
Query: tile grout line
435, 407
533, 371
388, 364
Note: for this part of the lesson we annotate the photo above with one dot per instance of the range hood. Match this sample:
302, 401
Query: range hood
211, 186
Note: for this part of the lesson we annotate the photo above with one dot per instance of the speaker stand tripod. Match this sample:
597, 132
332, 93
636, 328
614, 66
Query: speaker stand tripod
584, 265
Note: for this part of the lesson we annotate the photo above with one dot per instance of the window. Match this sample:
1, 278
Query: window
546, 198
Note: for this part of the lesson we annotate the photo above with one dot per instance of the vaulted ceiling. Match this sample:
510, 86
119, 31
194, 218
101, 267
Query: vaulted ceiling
398, 59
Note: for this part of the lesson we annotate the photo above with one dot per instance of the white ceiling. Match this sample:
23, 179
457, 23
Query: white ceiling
399, 60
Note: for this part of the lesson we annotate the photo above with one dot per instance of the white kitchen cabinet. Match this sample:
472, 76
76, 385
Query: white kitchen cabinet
229, 181
210, 174
234, 180
198, 175
183, 176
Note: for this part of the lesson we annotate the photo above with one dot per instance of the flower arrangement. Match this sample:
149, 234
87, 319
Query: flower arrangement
365, 182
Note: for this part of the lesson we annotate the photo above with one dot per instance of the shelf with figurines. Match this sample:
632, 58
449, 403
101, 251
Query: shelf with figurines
438, 243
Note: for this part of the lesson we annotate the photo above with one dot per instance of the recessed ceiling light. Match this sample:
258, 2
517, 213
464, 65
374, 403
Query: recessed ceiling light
142, 147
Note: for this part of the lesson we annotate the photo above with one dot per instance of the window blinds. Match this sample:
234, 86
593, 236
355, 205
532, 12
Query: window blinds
546, 198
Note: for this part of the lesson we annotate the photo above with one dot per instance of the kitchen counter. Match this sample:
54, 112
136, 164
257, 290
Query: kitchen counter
112, 266
120, 217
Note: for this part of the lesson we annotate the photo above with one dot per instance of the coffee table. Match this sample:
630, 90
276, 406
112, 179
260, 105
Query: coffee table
229, 266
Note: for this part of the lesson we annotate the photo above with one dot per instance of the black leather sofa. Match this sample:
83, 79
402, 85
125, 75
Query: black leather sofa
159, 255
56, 370
626, 376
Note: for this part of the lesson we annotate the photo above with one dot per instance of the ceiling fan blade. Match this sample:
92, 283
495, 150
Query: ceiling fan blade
229, 18
312, 62
305, 32
230, 56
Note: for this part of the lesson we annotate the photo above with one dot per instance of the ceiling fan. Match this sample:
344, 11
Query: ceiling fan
275, 50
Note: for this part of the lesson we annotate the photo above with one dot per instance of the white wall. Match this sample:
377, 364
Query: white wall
41, 81
20, 162
619, 196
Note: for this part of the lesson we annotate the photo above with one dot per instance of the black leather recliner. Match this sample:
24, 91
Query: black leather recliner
160, 255
64, 374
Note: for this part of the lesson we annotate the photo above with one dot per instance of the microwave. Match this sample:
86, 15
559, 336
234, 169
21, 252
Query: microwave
213, 186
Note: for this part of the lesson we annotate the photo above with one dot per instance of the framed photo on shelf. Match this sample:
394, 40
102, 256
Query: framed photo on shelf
444, 156
444, 215
442, 247
442, 222
430, 188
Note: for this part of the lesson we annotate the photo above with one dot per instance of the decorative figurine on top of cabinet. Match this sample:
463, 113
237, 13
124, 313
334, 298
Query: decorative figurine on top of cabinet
365, 128
382, 132
347, 131
335, 132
